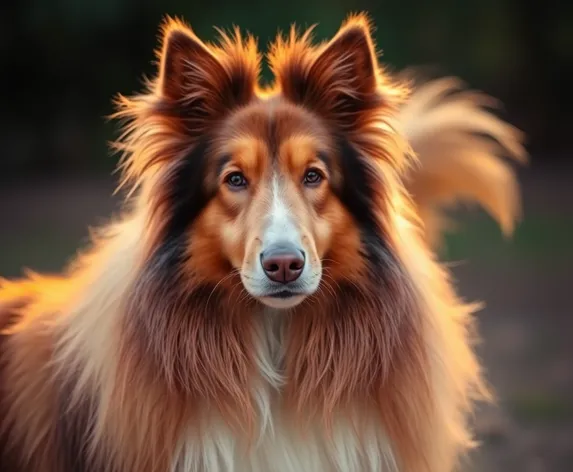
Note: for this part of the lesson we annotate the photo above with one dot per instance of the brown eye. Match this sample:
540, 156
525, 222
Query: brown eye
312, 178
236, 181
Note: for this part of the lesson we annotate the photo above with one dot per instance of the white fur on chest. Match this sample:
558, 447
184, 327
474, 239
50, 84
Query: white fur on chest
279, 448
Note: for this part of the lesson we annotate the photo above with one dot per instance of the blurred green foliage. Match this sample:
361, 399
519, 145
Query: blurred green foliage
64, 60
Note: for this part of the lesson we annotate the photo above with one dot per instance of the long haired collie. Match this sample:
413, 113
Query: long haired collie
270, 299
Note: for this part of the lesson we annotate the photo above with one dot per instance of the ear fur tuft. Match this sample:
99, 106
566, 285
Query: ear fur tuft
340, 79
206, 79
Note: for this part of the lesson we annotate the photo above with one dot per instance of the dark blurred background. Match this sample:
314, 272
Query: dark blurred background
64, 60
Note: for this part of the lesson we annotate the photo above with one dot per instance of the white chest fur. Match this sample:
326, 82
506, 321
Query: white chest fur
279, 448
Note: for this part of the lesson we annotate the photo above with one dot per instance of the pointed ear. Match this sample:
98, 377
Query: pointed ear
347, 65
203, 79
341, 79
186, 63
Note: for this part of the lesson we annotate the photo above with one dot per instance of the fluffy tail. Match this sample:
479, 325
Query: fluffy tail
459, 145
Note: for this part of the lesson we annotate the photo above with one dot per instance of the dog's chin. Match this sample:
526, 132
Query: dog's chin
283, 302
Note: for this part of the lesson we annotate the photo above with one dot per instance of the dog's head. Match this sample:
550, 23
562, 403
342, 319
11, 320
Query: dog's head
288, 197
279, 188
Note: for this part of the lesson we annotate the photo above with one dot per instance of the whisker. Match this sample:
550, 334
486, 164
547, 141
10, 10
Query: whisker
229, 275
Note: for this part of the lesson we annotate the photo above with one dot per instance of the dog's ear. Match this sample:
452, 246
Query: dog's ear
204, 80
344, 69
340, 79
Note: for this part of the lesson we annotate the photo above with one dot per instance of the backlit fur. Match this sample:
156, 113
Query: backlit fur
159, 348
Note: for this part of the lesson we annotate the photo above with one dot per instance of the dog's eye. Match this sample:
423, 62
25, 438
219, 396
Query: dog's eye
236, 181
312, 178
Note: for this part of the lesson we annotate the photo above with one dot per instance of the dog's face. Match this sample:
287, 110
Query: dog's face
271, 187
275, 210
277, 216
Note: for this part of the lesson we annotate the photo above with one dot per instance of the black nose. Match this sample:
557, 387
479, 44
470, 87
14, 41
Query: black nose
282, 263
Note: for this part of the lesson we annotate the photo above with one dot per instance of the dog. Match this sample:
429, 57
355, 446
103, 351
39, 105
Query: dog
270, 299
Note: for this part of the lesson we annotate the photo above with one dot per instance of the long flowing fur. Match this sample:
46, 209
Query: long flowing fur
128, 362
460, 146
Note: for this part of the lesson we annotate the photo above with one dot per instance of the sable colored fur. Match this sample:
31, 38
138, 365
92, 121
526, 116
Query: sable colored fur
163, 348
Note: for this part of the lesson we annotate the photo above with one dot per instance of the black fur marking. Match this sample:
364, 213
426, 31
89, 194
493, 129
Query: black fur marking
186, 194
184, 197
357, 195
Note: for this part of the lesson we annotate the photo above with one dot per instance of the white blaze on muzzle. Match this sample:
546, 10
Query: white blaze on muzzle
280, 226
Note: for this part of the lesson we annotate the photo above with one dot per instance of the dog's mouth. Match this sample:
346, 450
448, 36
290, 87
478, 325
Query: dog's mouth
282, 299
284, 294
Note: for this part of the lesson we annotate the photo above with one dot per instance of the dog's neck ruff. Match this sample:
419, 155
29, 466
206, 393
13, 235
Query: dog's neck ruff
279, 445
